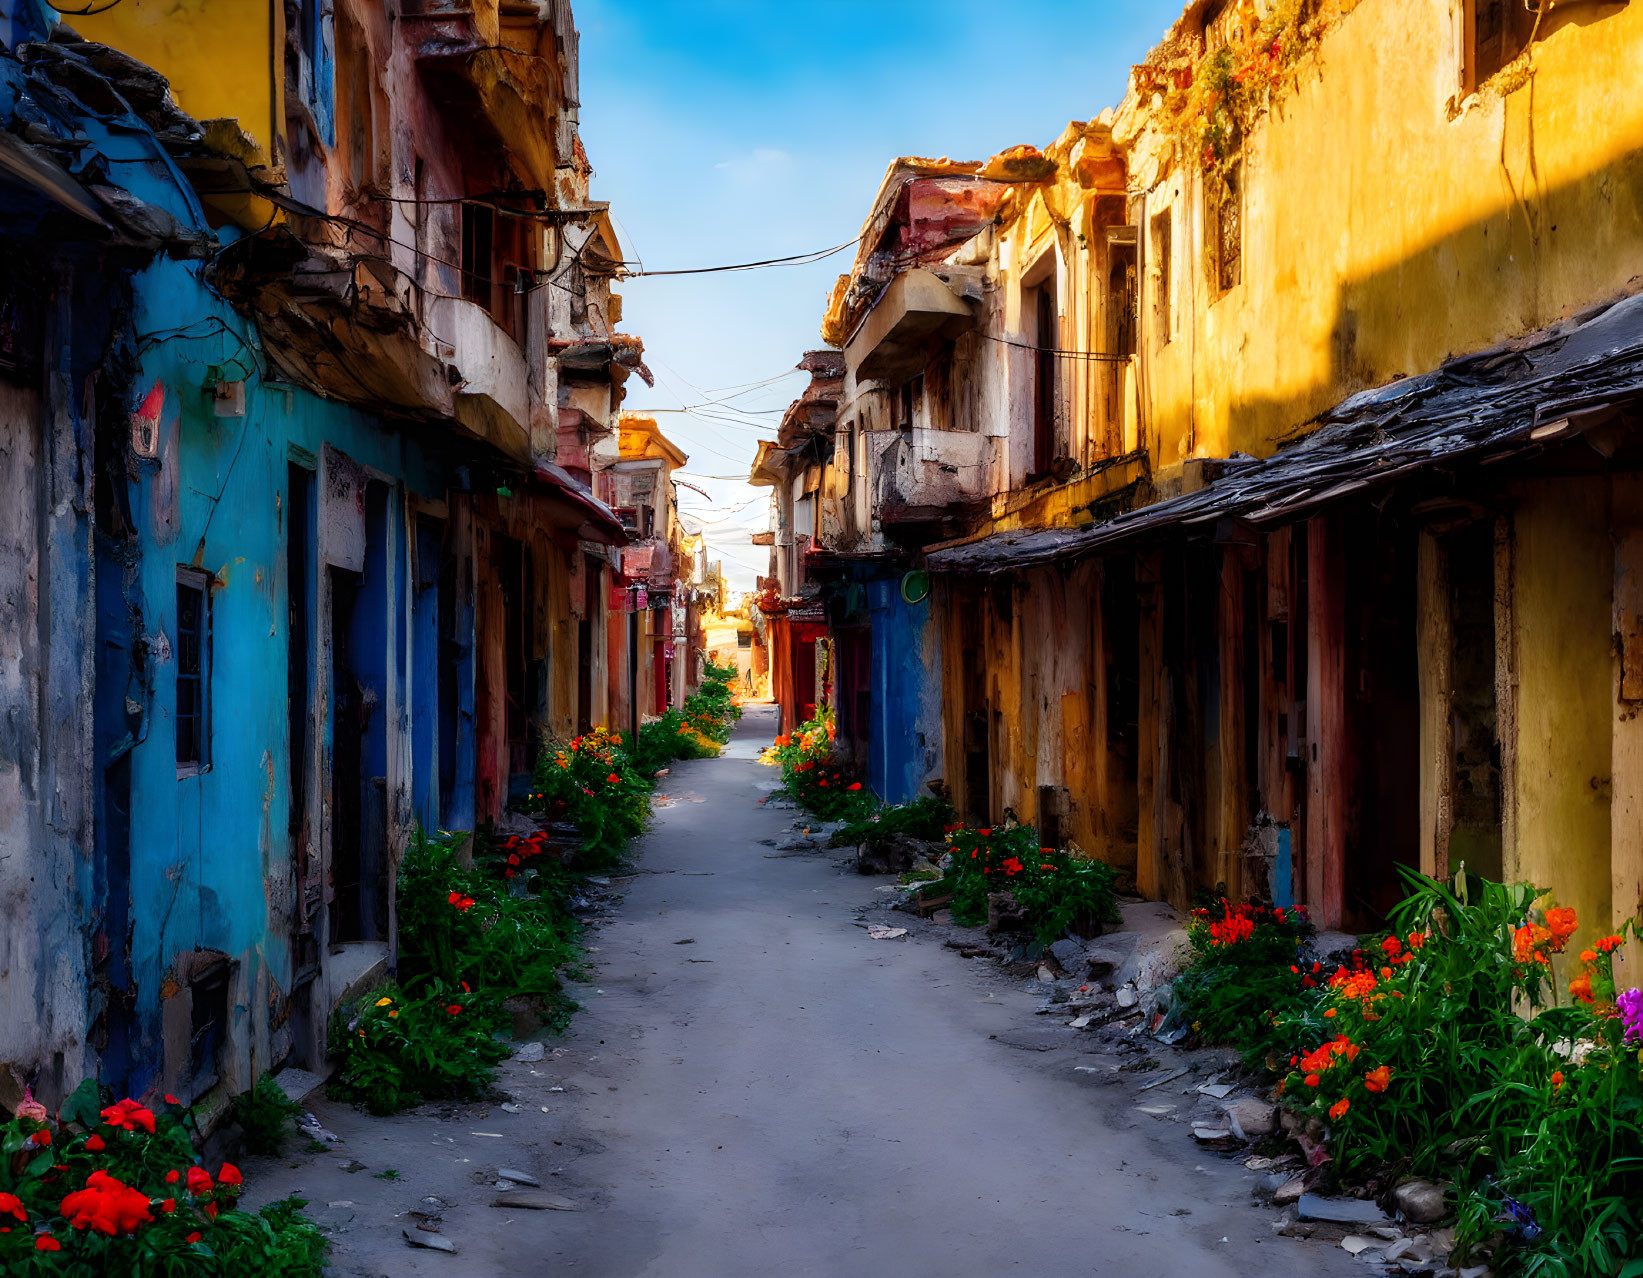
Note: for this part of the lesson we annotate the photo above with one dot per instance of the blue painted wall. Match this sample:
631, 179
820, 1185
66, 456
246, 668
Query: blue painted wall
906, 682
210, 856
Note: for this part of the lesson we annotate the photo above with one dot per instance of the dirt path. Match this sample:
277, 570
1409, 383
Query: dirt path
757, 1088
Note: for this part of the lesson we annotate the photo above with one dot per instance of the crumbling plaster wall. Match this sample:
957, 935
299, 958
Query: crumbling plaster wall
1389, 222
46, 782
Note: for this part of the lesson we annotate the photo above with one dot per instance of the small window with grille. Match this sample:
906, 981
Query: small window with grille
193, 658
1224, 226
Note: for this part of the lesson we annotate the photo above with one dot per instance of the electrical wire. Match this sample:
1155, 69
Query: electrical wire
1099, 357
88, 12
797, 259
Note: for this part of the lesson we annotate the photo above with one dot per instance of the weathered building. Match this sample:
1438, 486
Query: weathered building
638, 483
1270, 440
323, 559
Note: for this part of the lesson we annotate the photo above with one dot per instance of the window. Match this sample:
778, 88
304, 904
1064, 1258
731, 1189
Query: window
1224, 226
1163, 311
1039, 302
907, 402
193, 656
1496, 32
478, 252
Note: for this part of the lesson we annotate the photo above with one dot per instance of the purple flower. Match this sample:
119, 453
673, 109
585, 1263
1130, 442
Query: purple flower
1630, 1005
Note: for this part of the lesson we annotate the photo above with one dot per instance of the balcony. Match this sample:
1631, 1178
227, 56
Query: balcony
493, 400
933, 474
916, 311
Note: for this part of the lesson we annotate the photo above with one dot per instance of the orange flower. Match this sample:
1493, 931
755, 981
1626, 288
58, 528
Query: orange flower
1377, 1080
613, 779
1391, 945
1581, 988
1527, 943
1329, 1011
1561, 922
1416, 940
1312, 1080
1339, 1108
1588, 956
1609, 943
1557, 1081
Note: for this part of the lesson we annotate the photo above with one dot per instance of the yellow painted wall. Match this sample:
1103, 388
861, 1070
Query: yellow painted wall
1381, 236
223, 57
1562, 575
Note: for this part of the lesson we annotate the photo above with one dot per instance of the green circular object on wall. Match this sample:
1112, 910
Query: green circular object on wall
915, 586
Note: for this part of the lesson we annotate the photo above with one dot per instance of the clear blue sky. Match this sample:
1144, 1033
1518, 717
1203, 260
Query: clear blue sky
729, 131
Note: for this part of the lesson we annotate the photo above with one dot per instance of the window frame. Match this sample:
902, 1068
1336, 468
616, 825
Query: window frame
200, 583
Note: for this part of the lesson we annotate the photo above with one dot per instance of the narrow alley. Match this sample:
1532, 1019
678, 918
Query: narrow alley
756, 1087
648, 640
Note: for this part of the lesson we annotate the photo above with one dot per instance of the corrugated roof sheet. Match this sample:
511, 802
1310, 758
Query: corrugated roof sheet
1491, 404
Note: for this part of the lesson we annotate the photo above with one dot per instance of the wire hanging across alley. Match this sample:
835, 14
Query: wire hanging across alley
1098, 357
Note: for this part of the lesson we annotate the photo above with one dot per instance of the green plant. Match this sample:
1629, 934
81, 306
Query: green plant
926, 817
592, 783
1057, 892
264, 1116
1443, 1049
469, 942
816, 781
1244, 974
117, 1189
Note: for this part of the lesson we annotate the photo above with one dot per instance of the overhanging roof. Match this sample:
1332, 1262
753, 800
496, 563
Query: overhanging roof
1525, 395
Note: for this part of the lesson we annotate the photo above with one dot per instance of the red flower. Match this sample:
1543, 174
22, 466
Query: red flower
169, 1206
1392, 946
1561, 922
45, 1242
171, 1177
1312, 1080
1378, 1080
455, 1009
613, 779
193, 1237
41, 1137
95, 1144
106, 1205
171, 1100
1557, 1081
199, 1181
1339, 1108
856, 786
129, 1116
12, 1205
461, 902
509, 874
229, 1175
984, 833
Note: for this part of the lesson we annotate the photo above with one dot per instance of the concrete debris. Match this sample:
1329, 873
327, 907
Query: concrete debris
1167, 1078
1068, 953
1207, 1133
432, 1242
529, 1053
1290, 1191
1355, 1245
518, 1177
1422, 1201
310, 1127
1341, 1211
1252, 1118
297, 1083
1127, 997
533, 1200
881, 933
508, 1107
1216, 1091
